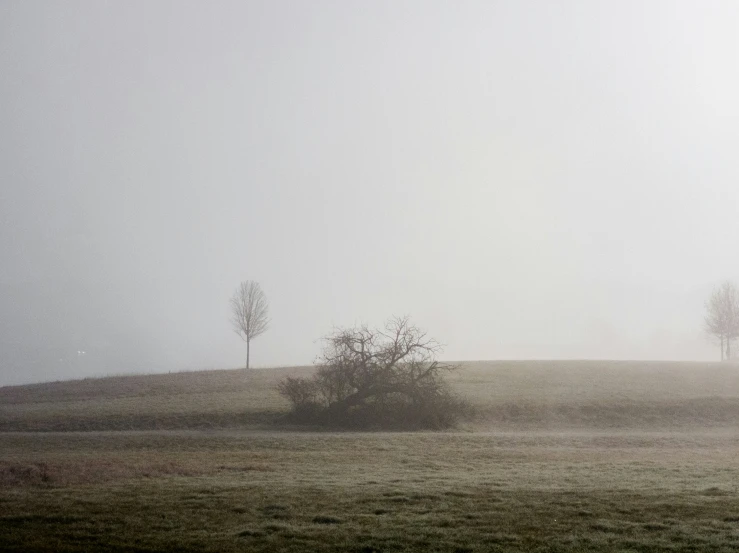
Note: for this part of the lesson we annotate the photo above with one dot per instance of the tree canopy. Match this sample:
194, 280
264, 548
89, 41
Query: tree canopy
249, 311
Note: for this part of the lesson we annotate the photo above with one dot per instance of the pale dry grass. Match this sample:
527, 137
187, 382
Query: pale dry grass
507, 394
179, 400
496, 382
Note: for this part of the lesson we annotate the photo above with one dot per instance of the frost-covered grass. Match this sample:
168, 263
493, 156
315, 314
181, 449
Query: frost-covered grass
288, 491
562, 456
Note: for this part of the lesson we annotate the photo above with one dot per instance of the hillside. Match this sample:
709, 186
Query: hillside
506, 394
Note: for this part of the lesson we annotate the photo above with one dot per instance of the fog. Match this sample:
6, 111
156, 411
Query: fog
524, 179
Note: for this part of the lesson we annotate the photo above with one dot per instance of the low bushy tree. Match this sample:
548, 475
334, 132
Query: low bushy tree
376, 378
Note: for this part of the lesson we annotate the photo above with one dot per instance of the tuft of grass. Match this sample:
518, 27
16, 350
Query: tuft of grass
250, 533
655, 526
714, 491
24, 474
326, 519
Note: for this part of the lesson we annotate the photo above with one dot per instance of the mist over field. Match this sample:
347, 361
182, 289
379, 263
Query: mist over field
483, 254
562, 456
527, 180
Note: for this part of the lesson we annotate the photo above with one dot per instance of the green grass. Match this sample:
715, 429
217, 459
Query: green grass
562, 457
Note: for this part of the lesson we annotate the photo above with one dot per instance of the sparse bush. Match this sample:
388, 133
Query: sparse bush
301, 392
369, 378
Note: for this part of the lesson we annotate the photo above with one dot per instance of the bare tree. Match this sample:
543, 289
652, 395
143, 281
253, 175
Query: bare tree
249, 309
376, 378
722, 316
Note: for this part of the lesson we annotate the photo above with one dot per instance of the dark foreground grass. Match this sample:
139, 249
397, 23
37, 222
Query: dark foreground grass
218, 491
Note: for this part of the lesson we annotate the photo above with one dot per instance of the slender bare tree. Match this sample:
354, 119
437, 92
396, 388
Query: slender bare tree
249, 309
722, 316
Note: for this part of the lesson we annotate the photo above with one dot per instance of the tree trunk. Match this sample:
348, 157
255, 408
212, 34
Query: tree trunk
247, 354
728, 349
722, 348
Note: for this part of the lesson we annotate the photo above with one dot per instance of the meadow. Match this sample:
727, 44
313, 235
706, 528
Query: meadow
561, 456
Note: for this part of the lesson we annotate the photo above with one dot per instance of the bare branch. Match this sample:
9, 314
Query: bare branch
387, 376
722, 316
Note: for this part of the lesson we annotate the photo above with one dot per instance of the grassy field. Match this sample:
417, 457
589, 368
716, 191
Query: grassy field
512, 395
555, 461
271, 491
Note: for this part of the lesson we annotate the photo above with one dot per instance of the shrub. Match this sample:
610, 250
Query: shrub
376, 378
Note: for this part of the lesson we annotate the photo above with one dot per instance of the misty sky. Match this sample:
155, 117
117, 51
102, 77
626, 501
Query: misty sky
525, 179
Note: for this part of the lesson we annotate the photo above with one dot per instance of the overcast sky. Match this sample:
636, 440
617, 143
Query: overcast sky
524, 179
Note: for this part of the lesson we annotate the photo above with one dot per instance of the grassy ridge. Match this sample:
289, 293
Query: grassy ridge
506, 394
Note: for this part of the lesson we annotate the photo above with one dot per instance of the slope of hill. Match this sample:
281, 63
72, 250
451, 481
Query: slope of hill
506, 394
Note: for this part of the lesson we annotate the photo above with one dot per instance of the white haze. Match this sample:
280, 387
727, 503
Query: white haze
524, 179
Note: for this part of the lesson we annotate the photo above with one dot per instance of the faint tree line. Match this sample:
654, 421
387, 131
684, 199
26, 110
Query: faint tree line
722, 317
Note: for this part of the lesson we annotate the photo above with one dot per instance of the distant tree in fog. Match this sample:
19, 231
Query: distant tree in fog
249, 309
722, 316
